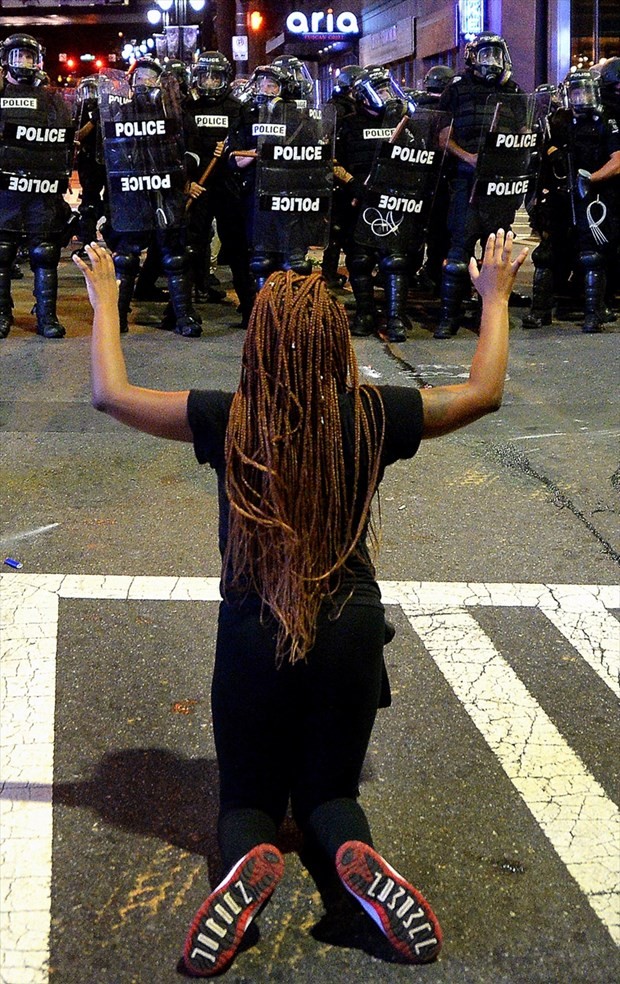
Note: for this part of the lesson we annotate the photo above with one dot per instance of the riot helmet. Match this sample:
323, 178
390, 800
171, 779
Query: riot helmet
347, 75
178, 70
144, 74
87, 89
302, 85
437, 78
488, 58
374, 89
581, 93
21, 56
268, 83
212, 76
609, 83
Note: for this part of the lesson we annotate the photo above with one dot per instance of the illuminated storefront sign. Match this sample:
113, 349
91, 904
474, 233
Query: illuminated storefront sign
471, 17
322, 23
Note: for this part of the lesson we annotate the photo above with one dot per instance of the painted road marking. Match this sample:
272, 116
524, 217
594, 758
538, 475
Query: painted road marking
580, 821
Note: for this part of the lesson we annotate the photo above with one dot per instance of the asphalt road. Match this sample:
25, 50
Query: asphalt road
491, 782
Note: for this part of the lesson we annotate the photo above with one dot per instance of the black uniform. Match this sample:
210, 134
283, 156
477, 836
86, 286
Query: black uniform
468, 100
356, 149
138, 215
36, 143
588, 222
207, 123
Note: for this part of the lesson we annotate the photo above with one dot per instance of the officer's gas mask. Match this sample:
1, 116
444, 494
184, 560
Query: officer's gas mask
377, 92
267, 89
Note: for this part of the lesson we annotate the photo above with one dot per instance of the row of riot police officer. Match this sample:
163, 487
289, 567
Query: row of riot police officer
164, 162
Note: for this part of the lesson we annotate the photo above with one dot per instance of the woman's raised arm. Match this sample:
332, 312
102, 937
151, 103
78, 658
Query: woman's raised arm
163, 414
447, 408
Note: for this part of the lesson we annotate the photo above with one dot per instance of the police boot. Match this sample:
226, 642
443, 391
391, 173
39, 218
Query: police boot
298, 263
360, 268
261, 265
7, 256
454, 283
126, 266
186, 323
44, 263
595, 283
540, 312
396, 291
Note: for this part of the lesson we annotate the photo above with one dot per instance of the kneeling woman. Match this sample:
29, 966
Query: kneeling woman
299, 450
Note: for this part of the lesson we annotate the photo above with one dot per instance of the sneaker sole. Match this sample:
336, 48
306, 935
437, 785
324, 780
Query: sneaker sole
217, 929
401, 912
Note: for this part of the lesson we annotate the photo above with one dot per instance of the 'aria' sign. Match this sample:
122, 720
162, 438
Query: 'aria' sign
322, 22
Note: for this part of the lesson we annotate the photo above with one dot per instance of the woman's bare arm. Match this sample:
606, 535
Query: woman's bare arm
163, 414
447, 408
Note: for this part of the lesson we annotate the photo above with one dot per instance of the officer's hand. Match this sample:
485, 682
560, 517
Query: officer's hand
195, 190
583, 182
219, 148
472, 160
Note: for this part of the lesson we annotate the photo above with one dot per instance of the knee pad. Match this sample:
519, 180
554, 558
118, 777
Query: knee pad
360, 263
126, 264
8, 252
456, 269
262, 265
542, 256
393, 263
173, 263
592, 261
44, 255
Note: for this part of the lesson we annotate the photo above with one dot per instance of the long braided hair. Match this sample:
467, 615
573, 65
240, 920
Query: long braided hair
296, 516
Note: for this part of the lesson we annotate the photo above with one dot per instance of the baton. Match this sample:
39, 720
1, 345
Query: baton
206, 174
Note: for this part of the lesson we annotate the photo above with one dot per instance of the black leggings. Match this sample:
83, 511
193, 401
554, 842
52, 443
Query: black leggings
298, 732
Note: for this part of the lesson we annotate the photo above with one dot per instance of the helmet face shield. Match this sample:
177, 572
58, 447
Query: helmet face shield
582, 95
487, 56
375, 90
267, 83
212, 76
489, 62
23, 61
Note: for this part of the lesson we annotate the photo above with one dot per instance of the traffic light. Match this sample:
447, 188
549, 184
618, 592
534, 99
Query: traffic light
255, 20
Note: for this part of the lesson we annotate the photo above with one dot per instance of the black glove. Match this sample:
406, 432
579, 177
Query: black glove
583, 183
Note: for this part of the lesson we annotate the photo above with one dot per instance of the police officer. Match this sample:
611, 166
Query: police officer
158, 213
36, 143
380, 106
343, 102
89, 160
271, 105
211, 112
583, 155
488, 69
301, 87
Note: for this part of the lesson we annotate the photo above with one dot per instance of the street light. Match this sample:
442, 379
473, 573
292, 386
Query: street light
178, 37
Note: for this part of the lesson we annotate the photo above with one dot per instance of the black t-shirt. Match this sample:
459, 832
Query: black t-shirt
208, 411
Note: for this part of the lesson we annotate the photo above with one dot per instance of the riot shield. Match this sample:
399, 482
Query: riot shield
400, 189
36, 140
143, 154
504, 175
294, 179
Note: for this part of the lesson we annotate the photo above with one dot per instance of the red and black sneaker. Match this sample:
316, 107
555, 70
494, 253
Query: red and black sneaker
401, 912
217, 928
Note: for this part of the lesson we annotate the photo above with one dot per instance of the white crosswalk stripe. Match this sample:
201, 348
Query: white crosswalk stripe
571, 807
